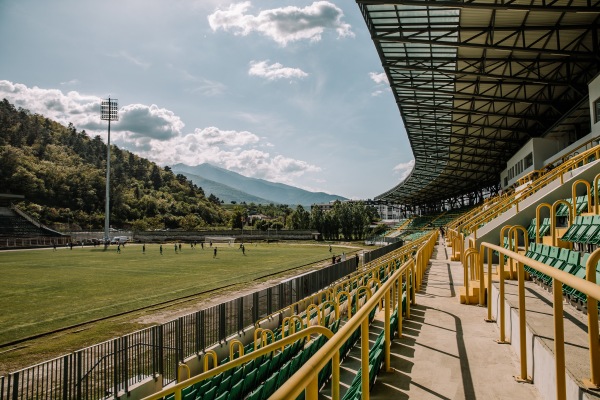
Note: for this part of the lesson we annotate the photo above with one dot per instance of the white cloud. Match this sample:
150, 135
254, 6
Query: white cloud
274, 71
379, 78
157, 134
283, 25
381, 81
234, 150
404, 169
73, 107
149, 121
214, 136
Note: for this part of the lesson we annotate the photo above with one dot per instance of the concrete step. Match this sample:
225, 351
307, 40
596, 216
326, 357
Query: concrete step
474, 288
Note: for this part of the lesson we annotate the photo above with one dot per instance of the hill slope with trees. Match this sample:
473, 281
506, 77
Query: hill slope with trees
62, 174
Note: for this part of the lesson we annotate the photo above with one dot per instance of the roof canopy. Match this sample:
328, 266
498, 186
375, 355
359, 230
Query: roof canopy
474, 80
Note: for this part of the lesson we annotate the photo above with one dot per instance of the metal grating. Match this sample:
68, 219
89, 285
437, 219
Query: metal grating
474, 80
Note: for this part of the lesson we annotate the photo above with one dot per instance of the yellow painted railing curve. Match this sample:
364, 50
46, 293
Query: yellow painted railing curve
587, 286
313, 330
306, 379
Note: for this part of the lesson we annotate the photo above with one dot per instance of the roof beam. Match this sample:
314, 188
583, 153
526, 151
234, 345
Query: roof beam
456, 110
507, 78
591, 7
458, 44
458, 95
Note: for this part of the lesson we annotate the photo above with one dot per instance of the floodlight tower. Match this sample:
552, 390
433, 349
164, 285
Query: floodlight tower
109, 113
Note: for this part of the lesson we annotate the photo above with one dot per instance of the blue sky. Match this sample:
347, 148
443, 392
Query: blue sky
289, 91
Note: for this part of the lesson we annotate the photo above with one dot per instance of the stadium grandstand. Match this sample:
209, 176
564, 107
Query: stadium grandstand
492, 292
20, 230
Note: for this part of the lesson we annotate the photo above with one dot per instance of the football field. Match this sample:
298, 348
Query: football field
44, 290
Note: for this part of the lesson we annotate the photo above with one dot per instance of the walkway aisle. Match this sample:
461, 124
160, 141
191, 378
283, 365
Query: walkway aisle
447, 350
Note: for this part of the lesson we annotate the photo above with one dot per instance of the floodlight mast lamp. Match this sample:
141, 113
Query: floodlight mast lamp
109, 113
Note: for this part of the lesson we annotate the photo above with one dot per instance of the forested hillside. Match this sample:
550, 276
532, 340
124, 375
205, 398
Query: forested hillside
61, 172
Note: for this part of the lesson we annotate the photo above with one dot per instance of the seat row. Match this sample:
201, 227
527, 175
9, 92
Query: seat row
570, 261
258, 378
261, 377
584, 230
375, 361
581, 206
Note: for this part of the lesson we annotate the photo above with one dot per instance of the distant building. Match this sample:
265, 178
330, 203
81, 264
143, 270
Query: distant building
392, 212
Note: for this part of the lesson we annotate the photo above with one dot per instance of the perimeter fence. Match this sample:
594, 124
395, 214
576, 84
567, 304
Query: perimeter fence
108, 370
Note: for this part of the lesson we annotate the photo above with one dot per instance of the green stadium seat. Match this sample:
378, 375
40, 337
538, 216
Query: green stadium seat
223, 396
237, 376
210, 395
270, 386
249, 366
236, 391
284, 373
263, 371
224, 386
256, 394
275, 364
249, 382
545, 227
191, 395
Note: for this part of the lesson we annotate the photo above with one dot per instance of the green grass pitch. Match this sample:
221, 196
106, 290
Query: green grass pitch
43, 290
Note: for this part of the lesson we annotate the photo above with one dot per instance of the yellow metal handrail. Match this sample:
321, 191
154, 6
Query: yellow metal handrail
491, 212
587, 286
307, 376
313, 330
350, 278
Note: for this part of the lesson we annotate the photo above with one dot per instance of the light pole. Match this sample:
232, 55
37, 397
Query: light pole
109, 113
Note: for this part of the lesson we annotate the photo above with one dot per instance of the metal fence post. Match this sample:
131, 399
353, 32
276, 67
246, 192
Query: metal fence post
116, 368
280, 296
202, 331
255, 306
222, 333
197, 332
125, 363
65, 378
240, 313
179, 339
269, 300
161, 355
15, 394
79, 373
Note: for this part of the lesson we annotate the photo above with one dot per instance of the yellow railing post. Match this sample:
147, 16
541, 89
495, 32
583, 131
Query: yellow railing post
312, 390
592, 314
489, 285
386, 346
559, 340
335, 376
537, 220
214, 358
522, 324
407, 290
400, 316
481, 277
501, 300
364, 358
586, 286
232, 345
179, 368
413, 289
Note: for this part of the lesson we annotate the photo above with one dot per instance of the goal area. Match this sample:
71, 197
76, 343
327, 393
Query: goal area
219, 239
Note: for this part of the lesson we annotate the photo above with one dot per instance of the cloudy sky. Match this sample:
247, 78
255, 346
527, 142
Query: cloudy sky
289, 91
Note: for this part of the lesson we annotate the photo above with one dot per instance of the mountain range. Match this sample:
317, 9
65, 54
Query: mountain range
230, 186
